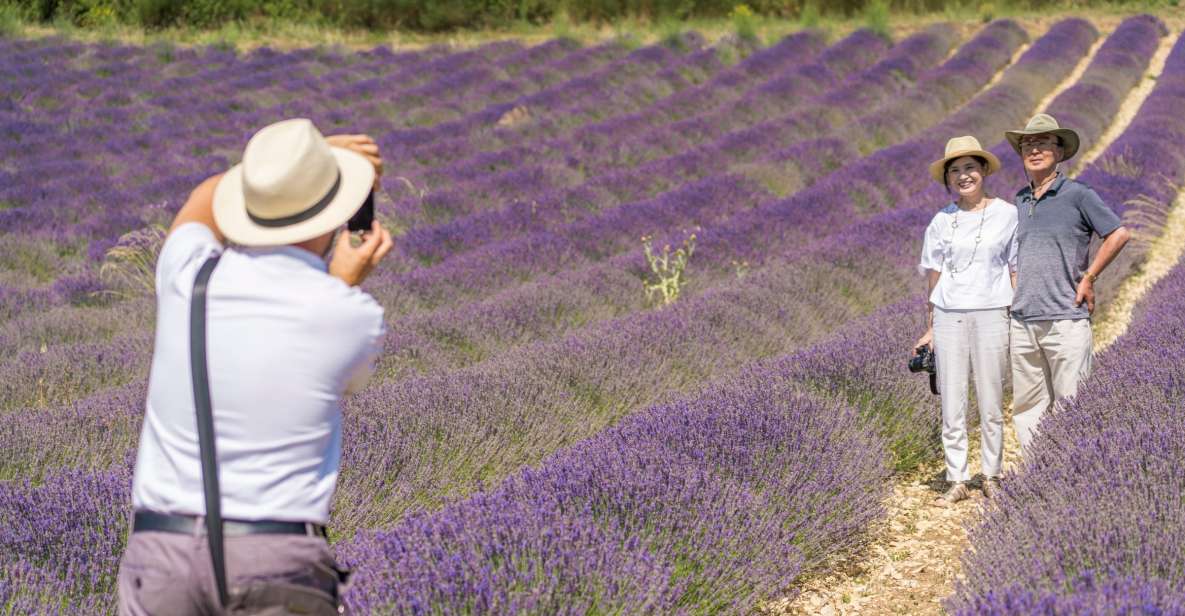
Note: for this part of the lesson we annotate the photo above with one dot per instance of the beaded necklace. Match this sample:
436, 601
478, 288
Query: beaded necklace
954, 225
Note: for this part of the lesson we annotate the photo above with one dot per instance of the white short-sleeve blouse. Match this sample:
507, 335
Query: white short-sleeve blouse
972, 278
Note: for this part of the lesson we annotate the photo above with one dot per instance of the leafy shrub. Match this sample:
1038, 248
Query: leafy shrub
744, 22
809, 16
876, 17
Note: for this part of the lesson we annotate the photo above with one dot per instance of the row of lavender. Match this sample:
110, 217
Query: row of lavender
83, 192
575, 281
492, 392
539, 383
481, 159
621, 169
216, 135
495, 265
584, 377
132, 395
81, 357
594, 263
1092, 523
202, 106
527, 401
58, 373
512, 170
683, 467
65, 560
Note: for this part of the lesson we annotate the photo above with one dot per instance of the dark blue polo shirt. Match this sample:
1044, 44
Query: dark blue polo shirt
1053, 237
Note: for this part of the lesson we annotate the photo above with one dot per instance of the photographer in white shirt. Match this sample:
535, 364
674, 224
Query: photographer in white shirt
288, 333
969, 259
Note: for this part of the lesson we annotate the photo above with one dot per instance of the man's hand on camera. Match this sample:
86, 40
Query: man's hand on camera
352, 264
364, 145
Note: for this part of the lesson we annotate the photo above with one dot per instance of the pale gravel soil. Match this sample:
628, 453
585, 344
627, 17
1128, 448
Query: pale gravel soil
1069, 80
912, 561
1020, 51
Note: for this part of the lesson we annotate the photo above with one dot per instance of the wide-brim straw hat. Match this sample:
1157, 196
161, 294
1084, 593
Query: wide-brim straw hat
959, 147
1044, 123
292, 186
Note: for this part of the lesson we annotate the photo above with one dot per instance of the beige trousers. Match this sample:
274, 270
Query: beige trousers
1049, 359
970, 342
166, 574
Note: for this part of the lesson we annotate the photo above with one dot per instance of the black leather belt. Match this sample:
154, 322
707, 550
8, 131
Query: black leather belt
185, 524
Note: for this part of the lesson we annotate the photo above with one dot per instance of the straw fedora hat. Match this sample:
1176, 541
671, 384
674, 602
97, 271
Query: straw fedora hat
292, 186
958, 147
1044, 123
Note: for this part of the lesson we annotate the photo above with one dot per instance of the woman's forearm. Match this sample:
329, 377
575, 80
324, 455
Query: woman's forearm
931, 282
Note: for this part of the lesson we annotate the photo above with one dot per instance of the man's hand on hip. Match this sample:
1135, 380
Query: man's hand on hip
352, 264
1085, 294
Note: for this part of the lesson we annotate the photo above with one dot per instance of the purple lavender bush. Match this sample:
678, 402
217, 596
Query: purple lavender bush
732, 495
1100, 492
61, 540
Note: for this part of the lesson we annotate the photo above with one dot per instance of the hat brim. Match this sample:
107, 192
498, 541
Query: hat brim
938, 167
230, 208
1068, 137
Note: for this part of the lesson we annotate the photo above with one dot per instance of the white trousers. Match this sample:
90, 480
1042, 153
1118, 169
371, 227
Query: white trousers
972, 341
1049, 359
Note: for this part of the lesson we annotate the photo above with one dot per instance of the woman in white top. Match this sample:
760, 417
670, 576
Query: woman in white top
969, 259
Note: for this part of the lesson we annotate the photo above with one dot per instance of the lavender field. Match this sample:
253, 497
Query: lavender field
543, 436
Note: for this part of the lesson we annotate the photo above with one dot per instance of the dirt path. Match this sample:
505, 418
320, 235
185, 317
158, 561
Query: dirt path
1076, 74
912, 560
1127, 112
1020, 51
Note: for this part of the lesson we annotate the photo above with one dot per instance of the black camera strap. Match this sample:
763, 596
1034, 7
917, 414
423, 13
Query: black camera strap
205, 424
934, 383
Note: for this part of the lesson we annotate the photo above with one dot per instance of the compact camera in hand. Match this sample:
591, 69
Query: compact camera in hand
923, 360
364, 217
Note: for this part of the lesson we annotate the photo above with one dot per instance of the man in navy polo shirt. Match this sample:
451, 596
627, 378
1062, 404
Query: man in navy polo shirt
1051, 338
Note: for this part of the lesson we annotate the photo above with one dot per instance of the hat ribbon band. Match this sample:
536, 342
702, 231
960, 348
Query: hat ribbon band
302, 216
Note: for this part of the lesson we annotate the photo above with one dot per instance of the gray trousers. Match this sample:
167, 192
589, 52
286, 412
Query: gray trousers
169, 574
971, 342
1049, 359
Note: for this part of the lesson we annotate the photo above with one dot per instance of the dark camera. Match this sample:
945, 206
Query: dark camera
364, 217
923, 360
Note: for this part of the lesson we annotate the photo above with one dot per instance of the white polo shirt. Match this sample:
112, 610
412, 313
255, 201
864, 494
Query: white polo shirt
981, 276
285, 340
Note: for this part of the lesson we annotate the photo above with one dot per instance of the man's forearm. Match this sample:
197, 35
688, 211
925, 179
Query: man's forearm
1112, 244
199, 208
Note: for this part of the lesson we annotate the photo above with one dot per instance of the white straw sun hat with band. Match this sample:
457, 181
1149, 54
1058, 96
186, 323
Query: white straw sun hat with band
292, 186
1044, 123
959, 147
